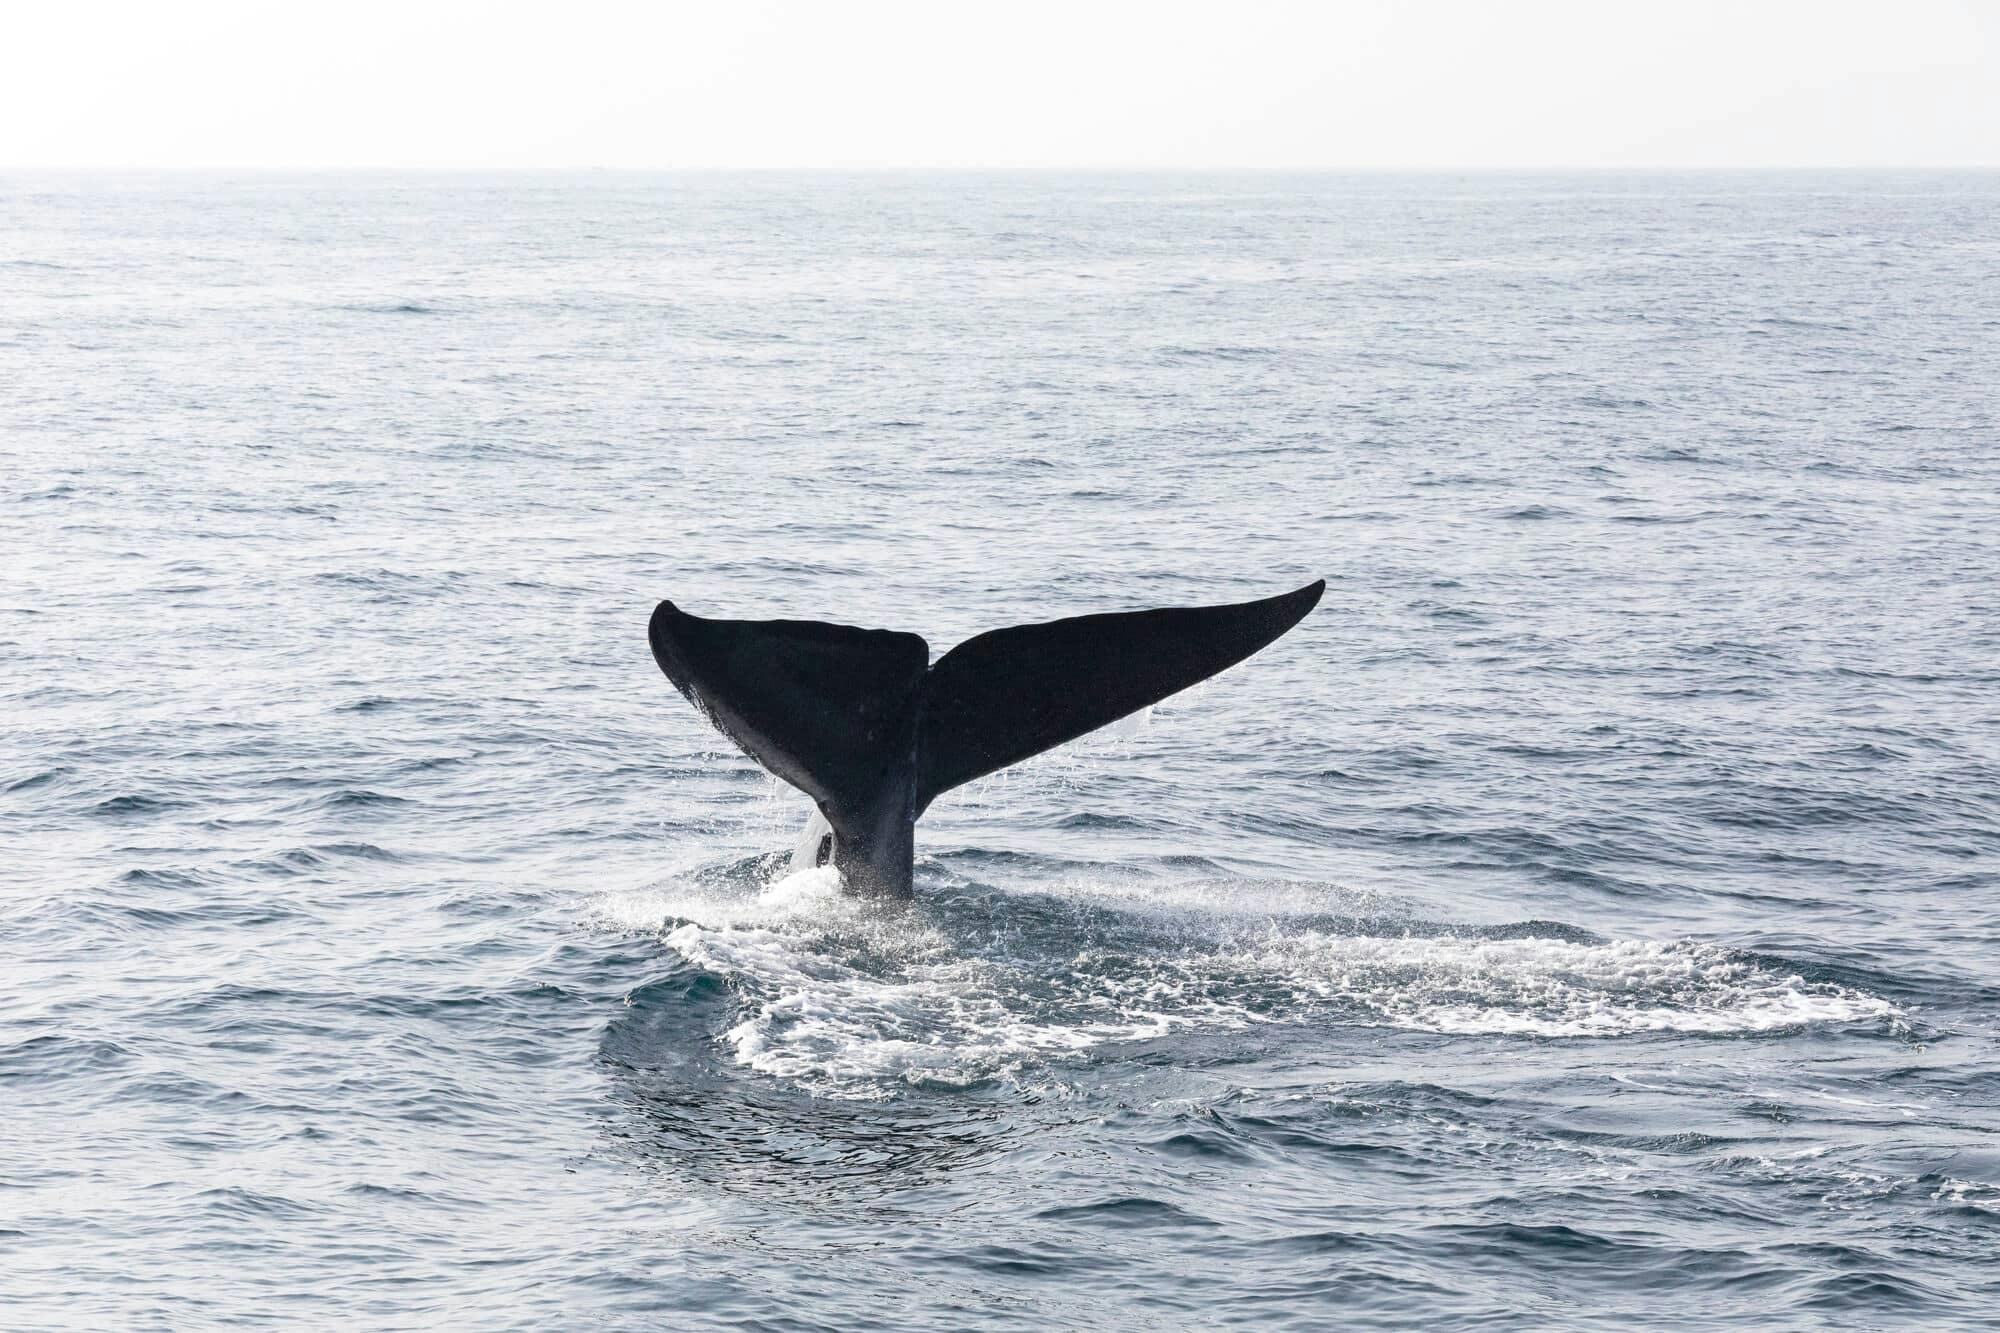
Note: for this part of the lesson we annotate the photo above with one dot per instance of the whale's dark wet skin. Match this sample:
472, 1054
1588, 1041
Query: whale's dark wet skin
862, 722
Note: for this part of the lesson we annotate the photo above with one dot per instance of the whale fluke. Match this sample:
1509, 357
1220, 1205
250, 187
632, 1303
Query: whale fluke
1009, 694
861, 722
825, 707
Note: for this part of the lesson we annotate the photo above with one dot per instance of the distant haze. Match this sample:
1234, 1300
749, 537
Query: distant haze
770, 83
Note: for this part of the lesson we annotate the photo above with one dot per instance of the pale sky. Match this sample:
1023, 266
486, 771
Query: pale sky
1026, 83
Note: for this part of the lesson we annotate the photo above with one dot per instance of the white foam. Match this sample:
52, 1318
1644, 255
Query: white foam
848, 998
1968, 1194
1559, 988
840, 1030
805, 895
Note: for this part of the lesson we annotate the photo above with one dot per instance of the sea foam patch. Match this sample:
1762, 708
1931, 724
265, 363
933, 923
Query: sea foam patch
849, 998
1558, 988
808, 895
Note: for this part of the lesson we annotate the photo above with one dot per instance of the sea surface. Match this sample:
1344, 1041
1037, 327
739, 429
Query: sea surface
1588, 918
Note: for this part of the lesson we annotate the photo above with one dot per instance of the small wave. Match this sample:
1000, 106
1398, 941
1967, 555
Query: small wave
233, 1201
132, 805
1221, 353
359, 798
55, 1057
304, 860
1124, 1213
391, 308
361, 851
1090, 819
225, 915
151, 878
393, 585
374, 703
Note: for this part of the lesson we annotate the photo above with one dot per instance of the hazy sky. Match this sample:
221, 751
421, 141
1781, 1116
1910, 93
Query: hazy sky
749, 83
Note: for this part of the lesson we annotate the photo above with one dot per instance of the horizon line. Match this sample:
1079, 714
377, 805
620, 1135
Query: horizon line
968, 168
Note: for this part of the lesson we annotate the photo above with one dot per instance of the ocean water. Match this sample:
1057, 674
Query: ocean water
1589, 917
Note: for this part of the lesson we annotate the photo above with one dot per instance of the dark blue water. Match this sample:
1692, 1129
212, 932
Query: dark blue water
1587, 918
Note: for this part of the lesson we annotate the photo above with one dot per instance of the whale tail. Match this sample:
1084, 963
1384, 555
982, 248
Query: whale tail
861, 720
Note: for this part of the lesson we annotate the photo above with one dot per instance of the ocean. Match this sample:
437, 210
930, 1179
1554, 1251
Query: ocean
1587, 918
